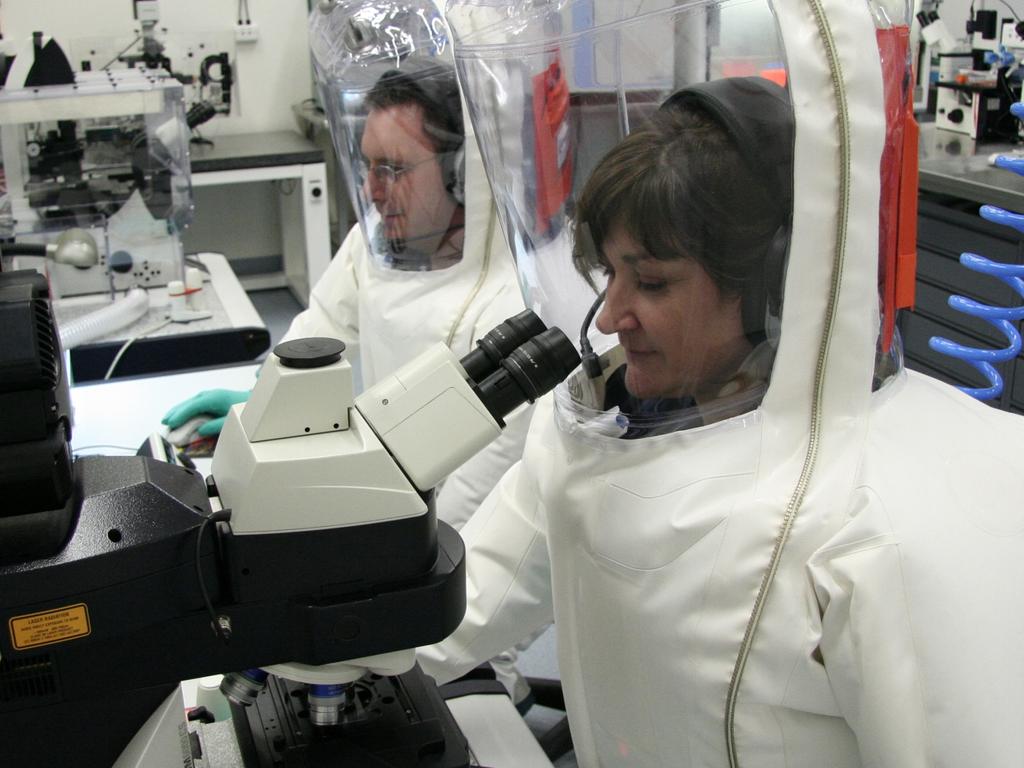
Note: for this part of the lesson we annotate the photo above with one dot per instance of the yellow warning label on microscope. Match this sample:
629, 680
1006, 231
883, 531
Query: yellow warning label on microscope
47, 627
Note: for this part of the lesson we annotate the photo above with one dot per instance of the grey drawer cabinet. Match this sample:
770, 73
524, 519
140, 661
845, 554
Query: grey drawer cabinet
947, 227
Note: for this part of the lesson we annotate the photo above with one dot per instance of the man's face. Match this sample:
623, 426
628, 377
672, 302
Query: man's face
681, 336
414, 206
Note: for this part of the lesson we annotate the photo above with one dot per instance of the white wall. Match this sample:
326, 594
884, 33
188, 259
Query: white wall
954, 13
271, 74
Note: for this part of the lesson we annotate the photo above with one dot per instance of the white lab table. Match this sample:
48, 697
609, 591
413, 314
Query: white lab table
233, 333
116, 417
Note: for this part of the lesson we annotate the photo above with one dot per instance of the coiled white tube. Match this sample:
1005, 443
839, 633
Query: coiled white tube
110, 318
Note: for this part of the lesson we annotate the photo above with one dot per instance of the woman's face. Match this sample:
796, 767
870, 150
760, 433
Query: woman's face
681, 336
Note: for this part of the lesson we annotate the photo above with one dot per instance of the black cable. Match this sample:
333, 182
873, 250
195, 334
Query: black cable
122, 53
192, 261
22, 249
1007, 134
129, 342
217, 517
198, 138
588, 359
1011, 9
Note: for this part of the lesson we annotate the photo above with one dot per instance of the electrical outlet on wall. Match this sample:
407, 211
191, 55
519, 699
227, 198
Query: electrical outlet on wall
247, 33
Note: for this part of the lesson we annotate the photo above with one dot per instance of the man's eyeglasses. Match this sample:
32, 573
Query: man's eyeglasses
386, 172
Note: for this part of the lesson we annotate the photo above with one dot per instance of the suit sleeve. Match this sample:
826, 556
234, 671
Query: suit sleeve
508, 576
333, 309
333, 302
921, 635
465, 489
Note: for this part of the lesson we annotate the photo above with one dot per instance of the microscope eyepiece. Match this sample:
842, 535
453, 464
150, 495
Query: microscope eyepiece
493, 348
433, 394
530, 371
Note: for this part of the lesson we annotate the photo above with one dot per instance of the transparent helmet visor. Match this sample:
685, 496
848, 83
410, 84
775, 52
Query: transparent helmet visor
641, 158
388, 84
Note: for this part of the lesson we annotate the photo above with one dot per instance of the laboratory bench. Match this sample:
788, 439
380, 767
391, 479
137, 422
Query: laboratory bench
253, 150
956, 178
955, 166
235, 333
232, 333
276, 156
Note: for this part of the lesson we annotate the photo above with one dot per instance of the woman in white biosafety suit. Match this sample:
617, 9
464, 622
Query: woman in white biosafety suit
764, 542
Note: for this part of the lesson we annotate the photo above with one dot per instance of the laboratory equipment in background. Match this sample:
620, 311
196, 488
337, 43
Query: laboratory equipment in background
203, 62
314, 542
107, 153
932, 38
976, 88
1005, 320
948, 100
101, 159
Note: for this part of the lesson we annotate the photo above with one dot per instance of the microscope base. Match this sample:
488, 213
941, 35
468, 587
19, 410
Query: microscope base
388, 722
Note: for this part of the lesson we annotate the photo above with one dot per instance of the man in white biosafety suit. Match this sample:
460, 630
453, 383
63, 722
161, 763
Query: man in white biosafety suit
426, 262
764, 542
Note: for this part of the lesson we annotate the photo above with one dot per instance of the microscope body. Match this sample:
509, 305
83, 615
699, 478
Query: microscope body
105, 628
311, 556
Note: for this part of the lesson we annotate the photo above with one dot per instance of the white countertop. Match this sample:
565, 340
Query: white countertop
115, 417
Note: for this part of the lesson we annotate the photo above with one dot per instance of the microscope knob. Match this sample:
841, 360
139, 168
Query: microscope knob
310, 353
121, 261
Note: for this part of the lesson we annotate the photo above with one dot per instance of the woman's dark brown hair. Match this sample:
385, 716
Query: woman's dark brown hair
684, 187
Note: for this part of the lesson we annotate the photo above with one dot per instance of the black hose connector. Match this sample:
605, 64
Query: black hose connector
22, 249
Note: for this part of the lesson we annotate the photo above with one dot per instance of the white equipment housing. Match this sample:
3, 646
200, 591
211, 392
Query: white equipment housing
417, 410
107, 153
301, 454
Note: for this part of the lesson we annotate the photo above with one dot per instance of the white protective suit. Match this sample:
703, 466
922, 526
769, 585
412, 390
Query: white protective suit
830, 580
388, 316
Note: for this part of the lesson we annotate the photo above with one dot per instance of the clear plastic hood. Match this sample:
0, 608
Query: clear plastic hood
353, 39
387, 80
645, 150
